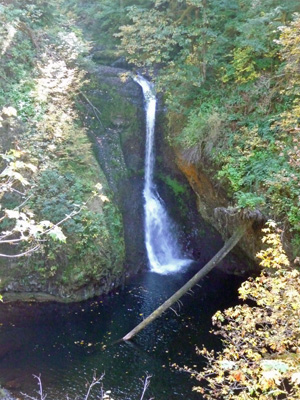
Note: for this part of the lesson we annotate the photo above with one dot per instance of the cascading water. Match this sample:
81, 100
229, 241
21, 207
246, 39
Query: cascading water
160, 237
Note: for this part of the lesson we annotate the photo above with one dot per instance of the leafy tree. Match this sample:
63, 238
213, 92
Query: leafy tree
19, 226
101, 18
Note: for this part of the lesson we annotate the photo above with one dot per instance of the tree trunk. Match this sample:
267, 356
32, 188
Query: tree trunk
229, 244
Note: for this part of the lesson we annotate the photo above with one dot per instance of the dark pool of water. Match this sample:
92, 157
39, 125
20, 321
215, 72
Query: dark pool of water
66, 343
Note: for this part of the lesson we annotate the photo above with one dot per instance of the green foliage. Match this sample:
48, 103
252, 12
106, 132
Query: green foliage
89, 233
15, 63
231, 72
54, 196
155, 29
17, 222
104, 16
21, 23
201, 133
177, 188
249, 200
196, 42
40, 54
244, 65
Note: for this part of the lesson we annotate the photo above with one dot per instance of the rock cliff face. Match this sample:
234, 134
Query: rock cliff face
202, 232
210, 199
85, 266
112, 111
114, 115
118, 134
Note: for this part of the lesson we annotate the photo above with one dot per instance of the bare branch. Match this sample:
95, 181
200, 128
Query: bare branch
11, 241
42, 396
5, 238
146, 385
96, 111
95, 381
174, 311
17, 191
68, 216
21, 254
24, 202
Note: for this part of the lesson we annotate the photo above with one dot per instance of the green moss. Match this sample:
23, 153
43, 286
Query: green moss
176, 187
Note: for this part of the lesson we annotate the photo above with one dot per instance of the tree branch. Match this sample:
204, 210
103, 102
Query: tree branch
96, 111
21, 254
146, 385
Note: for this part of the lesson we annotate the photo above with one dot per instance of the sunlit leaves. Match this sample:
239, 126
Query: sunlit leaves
274, 365
14, 171
169, 35
260, 358
273, 256
24, 227
9, 111
296, 378
244, 65
290, 50
261, 162
57, 234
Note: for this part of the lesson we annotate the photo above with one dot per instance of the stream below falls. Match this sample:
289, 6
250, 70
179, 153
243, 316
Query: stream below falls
67, 343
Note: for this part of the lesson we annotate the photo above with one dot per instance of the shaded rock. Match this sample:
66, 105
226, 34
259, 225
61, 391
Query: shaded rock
119, 139
212, 199
199, 238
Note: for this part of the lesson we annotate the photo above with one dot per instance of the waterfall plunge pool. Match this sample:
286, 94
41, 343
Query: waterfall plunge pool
67, 343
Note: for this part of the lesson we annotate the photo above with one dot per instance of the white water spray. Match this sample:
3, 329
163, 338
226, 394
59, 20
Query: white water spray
160, 237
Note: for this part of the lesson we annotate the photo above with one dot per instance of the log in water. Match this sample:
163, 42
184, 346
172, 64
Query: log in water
230, 243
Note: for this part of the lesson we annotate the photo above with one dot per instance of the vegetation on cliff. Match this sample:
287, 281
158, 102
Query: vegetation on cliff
41, 76
230, 74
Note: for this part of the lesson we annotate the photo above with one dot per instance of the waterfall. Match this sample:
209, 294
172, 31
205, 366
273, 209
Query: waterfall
162, 247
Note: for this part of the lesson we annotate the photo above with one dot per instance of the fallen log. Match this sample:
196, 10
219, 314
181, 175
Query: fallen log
228, 246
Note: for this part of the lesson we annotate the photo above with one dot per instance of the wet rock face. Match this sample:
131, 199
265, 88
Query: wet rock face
112, 111
35, 290
210, 198
119, 143
115, 123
